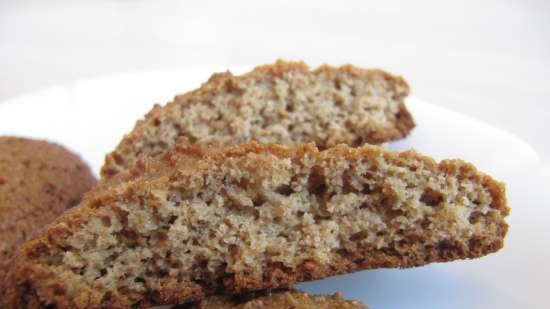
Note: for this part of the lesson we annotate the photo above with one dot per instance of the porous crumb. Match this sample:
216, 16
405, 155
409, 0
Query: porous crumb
285, 103
196, 222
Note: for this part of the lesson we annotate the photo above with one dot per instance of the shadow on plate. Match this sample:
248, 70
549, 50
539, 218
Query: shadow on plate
422, 288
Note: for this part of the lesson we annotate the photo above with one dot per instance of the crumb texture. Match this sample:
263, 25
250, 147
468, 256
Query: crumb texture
195, 221
276, 300
285, 103
38, 181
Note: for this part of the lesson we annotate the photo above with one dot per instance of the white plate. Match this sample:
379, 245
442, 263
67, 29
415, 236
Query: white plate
91, 116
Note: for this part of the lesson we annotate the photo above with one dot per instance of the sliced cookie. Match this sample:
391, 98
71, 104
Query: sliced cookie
195, 222
285, 103
276, 300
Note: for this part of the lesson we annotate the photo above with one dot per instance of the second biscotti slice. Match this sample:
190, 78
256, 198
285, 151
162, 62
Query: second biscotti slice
196, 222
285, 103
276, 300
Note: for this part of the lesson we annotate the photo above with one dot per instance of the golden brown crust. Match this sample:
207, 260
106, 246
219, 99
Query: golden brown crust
276, 300
371, 100
33, 283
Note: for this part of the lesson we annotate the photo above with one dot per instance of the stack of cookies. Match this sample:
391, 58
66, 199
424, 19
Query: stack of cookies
231, 194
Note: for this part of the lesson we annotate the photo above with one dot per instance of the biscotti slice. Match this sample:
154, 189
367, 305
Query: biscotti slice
276, 300
195, 222
285, 103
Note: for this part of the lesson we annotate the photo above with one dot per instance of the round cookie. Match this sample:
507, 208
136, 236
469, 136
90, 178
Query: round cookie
38, 181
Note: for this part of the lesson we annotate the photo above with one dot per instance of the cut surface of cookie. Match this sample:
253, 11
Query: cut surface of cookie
276, 300
196, 222
285, 103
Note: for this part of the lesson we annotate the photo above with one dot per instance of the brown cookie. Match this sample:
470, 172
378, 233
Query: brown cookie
284, 103
196, 222
38, 181
276, 300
